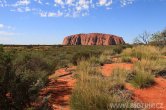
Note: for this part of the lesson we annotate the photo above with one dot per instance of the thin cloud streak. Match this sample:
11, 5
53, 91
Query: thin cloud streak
58, 8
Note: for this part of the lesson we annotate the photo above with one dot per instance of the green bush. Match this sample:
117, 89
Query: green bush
84, 55
22, 78
118, 49
6, 79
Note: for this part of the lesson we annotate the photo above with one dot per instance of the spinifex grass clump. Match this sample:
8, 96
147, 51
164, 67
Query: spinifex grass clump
163, 51
142, 79
119, 76
143, 74
95, 92
142, 52
150, 64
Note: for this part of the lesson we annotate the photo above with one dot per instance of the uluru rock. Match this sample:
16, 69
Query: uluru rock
93, 39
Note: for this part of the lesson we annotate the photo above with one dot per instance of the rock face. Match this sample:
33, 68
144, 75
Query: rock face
93, 39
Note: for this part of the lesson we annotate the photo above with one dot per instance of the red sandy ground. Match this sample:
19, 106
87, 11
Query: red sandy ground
155, 94
108, 68
60, 89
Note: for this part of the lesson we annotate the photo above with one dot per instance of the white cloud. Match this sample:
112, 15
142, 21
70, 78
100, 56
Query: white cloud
51, 14
47, 3
6, 32
3, 3
57, 8
22, 3
84, 4
126, 2
102, 2
60, 2
105, 2
6, 27
1, 26
69, 2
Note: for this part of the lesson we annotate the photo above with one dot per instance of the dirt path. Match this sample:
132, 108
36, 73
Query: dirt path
60, 89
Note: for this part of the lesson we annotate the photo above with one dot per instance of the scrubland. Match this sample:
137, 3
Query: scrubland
25, 71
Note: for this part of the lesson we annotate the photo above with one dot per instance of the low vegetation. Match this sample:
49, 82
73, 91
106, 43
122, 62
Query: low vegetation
95, 92
141, 52
142, 75
24, 70
150, 64
21, 79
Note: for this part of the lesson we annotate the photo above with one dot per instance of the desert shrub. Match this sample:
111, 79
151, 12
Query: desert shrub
83, 55
108, 52
143, 74
142, 79
163, 51
142, 52
105, 57
159, 38
79, 56
29, 46
22, 78
126, 59
119, 76
160, 68
155, 67
95, 61
95, 92
31, 75
86, 68
118, 49
6, 79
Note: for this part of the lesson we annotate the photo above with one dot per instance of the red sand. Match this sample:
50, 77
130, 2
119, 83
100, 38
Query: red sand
60, 89
154, 95
108, 68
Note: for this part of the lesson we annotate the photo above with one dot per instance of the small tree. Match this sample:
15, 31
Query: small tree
159, 38
143, 38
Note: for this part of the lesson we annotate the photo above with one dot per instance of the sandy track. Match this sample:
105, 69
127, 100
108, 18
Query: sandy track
60, 89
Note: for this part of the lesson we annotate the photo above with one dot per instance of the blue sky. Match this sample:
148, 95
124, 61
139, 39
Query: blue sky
49, 21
